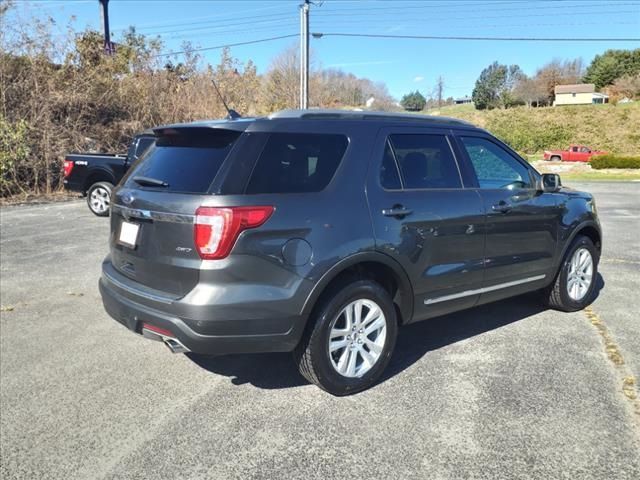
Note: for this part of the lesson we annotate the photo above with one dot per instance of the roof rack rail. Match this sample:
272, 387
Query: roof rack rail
365, 115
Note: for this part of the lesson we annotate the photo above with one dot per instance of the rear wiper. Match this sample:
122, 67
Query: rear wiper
150, 182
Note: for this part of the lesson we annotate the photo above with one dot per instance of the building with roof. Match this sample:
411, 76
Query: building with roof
463, 100
579, 94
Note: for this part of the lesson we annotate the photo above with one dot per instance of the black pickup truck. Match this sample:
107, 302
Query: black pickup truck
95, 174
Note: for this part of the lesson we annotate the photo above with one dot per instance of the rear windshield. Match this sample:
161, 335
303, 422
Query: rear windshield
186, 161
297, 162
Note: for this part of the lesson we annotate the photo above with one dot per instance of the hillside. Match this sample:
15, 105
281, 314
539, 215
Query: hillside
614, 128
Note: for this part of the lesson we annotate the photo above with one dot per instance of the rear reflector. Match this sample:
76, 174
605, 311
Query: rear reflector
158, 330
68, 166
217, 229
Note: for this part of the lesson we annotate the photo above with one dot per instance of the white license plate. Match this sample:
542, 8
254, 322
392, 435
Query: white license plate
129, 234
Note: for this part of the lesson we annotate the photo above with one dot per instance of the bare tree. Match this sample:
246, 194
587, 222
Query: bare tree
281, 84
530, 91
559, 72
627, 86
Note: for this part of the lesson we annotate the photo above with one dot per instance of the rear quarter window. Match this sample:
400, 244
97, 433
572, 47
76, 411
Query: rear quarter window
187, 161
297, 162
143, 145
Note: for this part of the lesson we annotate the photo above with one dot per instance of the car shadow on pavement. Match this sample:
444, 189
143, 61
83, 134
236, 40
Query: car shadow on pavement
277, 370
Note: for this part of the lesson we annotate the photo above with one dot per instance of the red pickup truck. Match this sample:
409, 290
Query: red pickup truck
575, 153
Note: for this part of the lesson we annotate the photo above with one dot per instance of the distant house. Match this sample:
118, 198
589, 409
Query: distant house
579, 94
461, 100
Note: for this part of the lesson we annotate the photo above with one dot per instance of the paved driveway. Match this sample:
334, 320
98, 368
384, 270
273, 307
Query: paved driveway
503, 391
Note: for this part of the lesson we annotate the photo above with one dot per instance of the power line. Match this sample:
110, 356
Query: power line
287, 17
498, 39
146, 26
218, 47
224, 23
265, 29
446, 17
330, 22
218, 19
448, 5
374, 10
405, 26
274, 22
475, 26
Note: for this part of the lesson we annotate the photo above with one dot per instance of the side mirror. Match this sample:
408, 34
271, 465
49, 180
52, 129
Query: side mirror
549, 182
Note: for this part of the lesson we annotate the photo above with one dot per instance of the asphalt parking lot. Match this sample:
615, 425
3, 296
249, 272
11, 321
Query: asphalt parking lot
502, 391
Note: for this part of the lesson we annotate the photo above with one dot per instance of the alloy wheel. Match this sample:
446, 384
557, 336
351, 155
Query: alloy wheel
100, 199
580, 274
357, 337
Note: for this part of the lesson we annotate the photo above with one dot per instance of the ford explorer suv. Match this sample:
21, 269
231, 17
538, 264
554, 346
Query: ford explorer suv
323, 232
95, 174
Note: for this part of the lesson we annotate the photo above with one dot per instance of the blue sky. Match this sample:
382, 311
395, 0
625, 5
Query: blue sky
405, 64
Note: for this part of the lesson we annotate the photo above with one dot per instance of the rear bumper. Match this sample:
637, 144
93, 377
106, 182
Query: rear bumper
247, 337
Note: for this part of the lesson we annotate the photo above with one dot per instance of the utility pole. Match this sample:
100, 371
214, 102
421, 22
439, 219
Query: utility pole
108, 48
440, 90
304, 55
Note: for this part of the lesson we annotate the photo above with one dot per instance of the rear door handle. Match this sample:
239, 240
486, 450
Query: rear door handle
501, 207
396, 211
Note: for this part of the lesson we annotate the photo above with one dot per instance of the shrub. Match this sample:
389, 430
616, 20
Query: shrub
14, 157
615, 161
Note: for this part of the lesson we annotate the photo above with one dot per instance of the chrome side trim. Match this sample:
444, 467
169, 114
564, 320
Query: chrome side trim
467, 293
133, 213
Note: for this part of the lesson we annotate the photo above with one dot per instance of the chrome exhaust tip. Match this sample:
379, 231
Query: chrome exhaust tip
175, 346
171, 342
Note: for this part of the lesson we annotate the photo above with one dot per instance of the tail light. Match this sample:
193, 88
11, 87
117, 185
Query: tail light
68, 166
217, 229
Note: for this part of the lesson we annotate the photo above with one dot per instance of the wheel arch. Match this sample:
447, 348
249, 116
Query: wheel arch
589, 229
373, 265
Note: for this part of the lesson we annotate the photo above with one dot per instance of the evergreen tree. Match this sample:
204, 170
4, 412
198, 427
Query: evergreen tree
413, 101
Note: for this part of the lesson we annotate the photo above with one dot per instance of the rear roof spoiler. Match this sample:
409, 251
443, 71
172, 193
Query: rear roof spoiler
239, 125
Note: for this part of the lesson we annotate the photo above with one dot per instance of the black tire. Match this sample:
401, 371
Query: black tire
555, 158
97, 191
312, 353
557, 294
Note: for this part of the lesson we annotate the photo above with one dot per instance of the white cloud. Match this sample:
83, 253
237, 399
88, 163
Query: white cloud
419, 78
395, 28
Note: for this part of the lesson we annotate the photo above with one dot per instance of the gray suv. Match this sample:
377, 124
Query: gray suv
322, 232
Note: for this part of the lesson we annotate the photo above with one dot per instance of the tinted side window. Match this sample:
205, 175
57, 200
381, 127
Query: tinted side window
426, 161
297, 162
389, 176
494, 166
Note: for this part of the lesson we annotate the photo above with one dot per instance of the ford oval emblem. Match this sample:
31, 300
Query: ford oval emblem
127, 198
